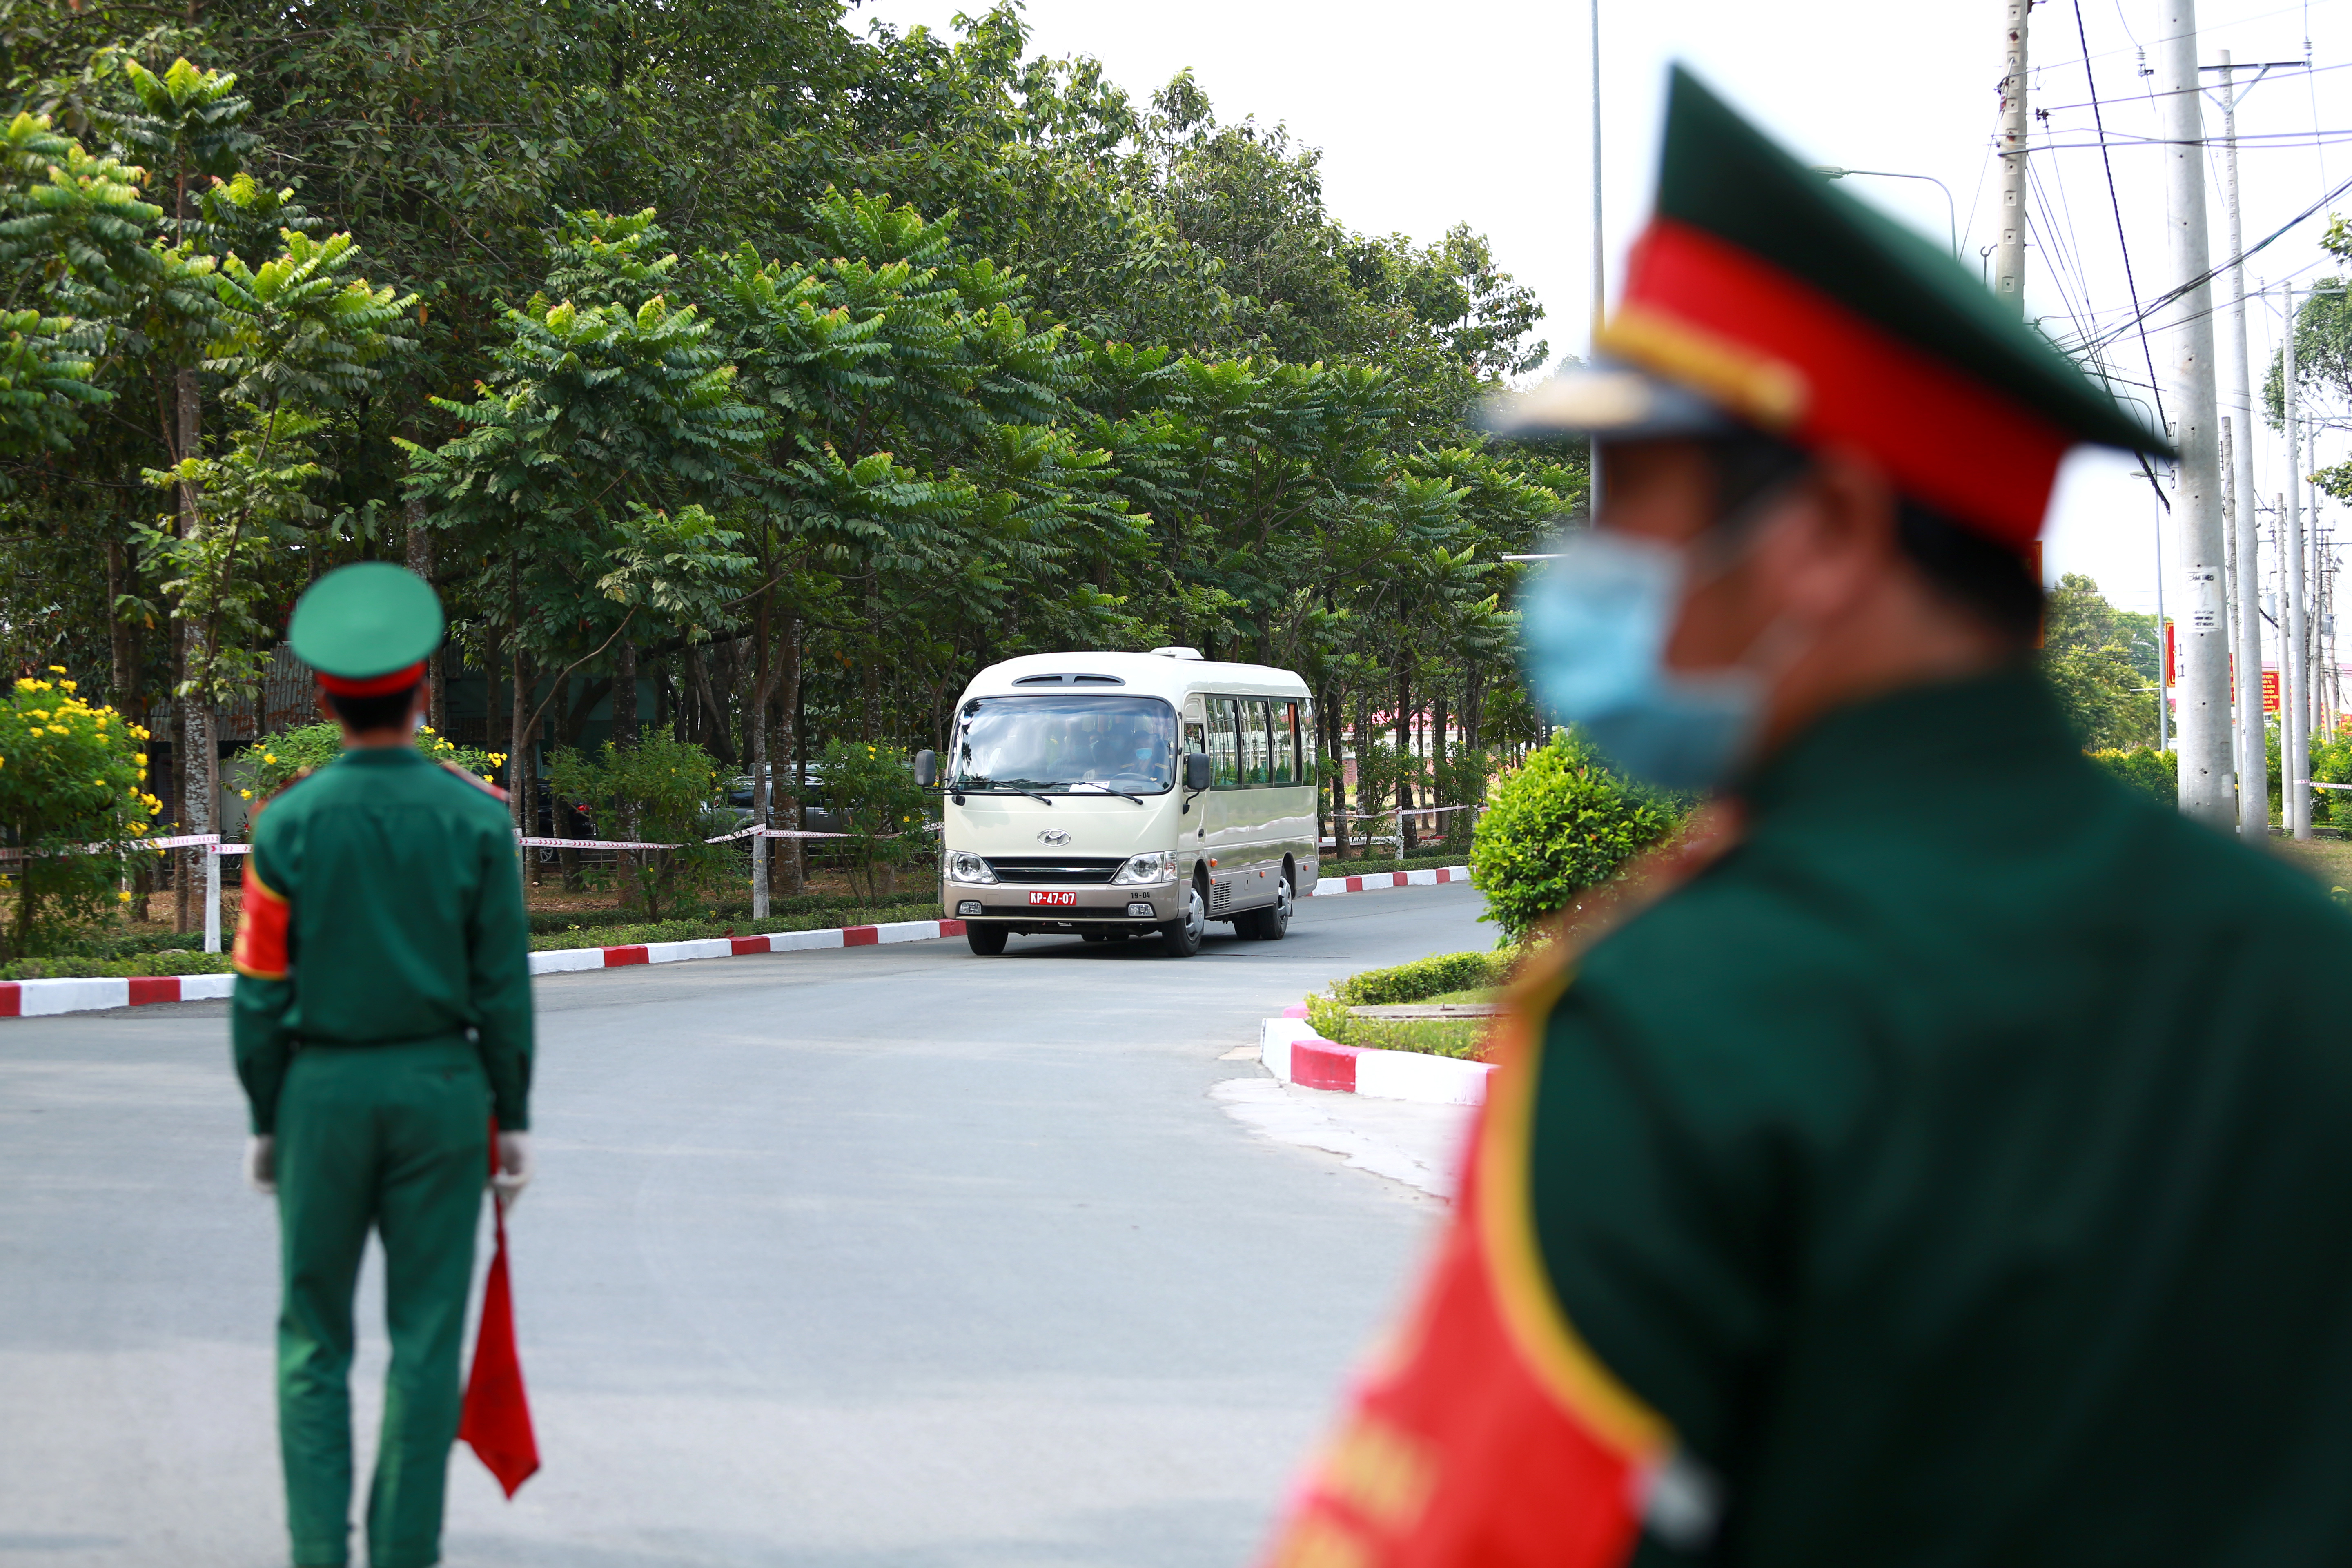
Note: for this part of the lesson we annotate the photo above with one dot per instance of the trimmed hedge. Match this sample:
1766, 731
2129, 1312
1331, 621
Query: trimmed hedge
1422, 979
150, 963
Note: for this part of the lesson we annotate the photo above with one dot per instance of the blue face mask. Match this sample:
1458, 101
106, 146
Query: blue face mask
1594, 628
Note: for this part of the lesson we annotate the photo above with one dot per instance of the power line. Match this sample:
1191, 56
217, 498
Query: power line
2115, 204
2194, 283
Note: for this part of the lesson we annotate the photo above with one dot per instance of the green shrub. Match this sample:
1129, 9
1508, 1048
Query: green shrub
2154, 773
882, 813
1561, 823
273, 760
1422, 979
658, 791
73, 800
75, 967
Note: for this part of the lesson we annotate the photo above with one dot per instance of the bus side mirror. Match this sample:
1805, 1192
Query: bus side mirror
1200, 772
927, 768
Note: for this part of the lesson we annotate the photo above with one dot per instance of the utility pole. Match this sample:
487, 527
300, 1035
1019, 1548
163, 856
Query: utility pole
2207, 786
2009, 251
2294, 757
2253, 764
1600, 295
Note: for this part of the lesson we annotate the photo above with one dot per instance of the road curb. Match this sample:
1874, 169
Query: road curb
46, 998
1427, 877
1290, 1049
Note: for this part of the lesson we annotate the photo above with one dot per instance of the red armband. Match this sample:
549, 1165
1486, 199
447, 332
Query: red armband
260, 949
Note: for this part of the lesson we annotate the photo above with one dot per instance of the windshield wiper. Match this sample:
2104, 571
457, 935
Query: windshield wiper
1107, 789
1003, 786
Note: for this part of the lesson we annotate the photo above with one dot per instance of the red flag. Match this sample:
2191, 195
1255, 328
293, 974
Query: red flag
497, 1418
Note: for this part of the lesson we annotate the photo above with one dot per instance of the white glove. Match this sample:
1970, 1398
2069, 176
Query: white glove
515, 1169
261, 1165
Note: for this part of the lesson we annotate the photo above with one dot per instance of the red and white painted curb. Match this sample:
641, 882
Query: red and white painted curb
1427, 877
44, 998
1293, 1052
565, 960
40, 998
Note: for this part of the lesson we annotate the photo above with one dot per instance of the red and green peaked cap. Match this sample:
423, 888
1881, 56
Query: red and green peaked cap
1782, 301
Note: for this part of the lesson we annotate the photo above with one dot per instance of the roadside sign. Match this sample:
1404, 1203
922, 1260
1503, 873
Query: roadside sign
2270, 691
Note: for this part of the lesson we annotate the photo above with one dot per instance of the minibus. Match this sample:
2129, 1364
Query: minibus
1118, 795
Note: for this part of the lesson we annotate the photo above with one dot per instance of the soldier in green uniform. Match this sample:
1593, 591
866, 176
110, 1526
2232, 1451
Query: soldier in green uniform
383, 1018
1950, 1164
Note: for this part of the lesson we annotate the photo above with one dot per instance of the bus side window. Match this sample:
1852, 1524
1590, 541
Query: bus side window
1306, 733
1286, 742
1224, 741
1254, 741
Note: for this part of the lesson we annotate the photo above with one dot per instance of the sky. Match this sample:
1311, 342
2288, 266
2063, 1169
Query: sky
1429, 116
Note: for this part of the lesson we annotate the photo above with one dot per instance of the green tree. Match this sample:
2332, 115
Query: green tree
2101, 664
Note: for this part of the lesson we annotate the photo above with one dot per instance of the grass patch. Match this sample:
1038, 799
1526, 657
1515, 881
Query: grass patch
1461, 1038
1442, 977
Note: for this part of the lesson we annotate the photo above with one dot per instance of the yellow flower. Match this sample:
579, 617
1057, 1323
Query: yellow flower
59, 729
41, 713
269, 756
123, 895
57, 670
69, 685
246, 793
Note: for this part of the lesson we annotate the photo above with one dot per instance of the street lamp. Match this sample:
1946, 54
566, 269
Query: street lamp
1951, 211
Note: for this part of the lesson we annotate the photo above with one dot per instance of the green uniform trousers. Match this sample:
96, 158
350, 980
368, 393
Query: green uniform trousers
393, 1137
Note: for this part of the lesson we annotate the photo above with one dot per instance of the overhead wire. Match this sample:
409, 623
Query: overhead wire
2115, 204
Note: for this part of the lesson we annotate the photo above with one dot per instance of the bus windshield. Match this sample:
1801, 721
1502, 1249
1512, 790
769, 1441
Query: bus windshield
1065, 744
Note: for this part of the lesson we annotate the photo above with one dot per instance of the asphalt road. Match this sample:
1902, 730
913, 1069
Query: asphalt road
893, 1255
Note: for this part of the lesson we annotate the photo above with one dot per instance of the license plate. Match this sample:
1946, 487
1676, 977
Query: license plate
1062, 900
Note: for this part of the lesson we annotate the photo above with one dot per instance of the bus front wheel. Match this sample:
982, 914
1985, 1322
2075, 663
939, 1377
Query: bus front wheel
986, 940
1180, 937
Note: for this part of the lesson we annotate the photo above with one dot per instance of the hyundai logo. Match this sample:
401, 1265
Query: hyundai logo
1053, 836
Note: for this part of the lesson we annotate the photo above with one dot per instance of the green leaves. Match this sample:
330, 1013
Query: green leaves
1559, 825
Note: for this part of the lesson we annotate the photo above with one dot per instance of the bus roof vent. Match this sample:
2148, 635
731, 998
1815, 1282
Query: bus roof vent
1190, 653
1070, 679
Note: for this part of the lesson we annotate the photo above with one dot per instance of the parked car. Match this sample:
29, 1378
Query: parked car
817, 813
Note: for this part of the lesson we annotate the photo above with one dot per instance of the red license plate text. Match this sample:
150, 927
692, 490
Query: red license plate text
1063, 901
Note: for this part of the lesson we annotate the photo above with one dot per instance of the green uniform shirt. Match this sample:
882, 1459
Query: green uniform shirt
403, 922
1962, 1165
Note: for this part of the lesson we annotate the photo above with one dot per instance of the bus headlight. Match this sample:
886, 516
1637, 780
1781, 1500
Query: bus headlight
1147, 870
965, 866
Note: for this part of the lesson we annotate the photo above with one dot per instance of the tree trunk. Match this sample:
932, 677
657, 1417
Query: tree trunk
1326, 731
1405, 760
625, 739
517, 770
714, 727
420, 561
789, 711
763, 685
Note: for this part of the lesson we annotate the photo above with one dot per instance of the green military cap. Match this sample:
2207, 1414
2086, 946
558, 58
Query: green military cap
1763, 296
367, 628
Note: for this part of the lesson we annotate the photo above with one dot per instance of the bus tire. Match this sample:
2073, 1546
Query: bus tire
1272, 924
986, 940
1180, 937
